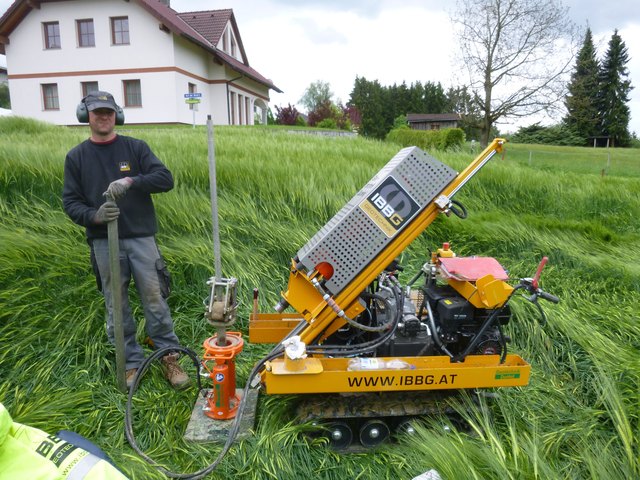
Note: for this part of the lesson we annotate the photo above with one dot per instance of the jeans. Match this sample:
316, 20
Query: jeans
138, 261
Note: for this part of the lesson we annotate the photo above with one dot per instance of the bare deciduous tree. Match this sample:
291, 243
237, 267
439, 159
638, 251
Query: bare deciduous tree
517, 54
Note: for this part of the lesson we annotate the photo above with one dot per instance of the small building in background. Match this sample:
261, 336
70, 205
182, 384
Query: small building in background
432, 121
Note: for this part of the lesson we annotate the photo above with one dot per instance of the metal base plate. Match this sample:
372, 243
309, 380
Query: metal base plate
204, 429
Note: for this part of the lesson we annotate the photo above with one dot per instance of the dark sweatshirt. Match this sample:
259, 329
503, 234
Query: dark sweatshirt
90, 167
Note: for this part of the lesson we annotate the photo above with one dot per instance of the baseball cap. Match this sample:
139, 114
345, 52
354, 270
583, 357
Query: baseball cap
100, 100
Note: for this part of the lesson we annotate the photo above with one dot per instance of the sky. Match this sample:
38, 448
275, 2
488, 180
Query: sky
297, 42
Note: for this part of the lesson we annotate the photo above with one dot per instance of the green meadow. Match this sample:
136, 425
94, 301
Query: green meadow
579, 418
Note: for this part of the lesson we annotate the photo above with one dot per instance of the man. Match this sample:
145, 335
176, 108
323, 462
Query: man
126, 170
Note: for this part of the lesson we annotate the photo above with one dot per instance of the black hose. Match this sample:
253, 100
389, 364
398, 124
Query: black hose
370, 345
416, 277
458, 209
434, 331
503, 344
233, 431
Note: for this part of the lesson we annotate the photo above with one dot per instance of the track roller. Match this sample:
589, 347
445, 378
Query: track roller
407, 427
340, 435
373, 433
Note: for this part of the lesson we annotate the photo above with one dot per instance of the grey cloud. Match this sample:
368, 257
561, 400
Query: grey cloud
602, 16
320, 34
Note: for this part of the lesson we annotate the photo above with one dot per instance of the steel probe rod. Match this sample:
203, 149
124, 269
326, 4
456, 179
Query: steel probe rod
116, 300
217, 263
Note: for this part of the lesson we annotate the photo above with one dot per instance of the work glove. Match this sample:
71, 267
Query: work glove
107, 212
118, 188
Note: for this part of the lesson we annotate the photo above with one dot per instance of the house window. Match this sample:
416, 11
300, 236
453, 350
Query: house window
86, 37
50, 96
233, 46
120, 30
51, 35
88, 87
435, 126
233, 108
240, 111
132, 93
192, 89
225, 41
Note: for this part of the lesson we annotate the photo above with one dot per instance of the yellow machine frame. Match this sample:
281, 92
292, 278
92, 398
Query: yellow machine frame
318, 374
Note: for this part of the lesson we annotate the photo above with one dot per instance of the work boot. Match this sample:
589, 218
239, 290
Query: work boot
130, 375
172, 371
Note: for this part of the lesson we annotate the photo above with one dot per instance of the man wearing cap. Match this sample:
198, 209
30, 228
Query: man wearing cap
125, 170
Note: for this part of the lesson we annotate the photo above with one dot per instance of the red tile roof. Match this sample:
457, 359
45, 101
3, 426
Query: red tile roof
210, 23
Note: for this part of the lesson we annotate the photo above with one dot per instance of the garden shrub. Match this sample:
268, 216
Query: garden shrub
427, 139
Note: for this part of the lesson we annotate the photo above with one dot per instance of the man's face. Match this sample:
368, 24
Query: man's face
102, 121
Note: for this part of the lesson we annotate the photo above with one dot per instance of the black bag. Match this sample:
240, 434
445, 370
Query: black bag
164, 277
94, 267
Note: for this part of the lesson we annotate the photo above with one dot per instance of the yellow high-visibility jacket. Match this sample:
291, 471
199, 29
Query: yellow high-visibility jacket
29, 453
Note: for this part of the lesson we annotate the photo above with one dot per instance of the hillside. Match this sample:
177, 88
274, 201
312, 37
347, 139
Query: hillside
578, 418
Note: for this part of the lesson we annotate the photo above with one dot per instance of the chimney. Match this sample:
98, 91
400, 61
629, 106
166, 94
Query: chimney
166, 2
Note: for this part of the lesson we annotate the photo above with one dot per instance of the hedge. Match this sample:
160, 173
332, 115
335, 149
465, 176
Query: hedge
427, 139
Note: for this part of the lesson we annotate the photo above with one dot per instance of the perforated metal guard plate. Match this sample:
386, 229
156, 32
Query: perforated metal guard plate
409, 182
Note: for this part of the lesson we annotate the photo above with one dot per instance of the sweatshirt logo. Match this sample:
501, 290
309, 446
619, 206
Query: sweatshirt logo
125, 167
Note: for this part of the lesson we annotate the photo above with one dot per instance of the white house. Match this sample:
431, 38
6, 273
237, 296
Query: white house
3, 70
142, 51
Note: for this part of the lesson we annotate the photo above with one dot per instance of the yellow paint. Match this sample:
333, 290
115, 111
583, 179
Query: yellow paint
330, 375
486, 292
272, 327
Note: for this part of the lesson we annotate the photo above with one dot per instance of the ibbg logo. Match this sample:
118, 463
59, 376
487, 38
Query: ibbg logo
390, 206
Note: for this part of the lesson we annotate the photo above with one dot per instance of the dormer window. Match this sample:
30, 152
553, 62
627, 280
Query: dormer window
229, 42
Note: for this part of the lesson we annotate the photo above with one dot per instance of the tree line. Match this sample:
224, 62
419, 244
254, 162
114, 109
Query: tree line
374, 109
519, 55
598, 93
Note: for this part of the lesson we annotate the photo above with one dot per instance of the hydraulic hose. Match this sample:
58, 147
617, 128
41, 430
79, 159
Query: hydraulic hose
233, 431
434, 331
458, 209
370, 345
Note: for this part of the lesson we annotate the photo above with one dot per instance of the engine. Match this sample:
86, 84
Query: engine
431, 319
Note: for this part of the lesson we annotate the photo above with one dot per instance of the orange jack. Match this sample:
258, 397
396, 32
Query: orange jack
219, 361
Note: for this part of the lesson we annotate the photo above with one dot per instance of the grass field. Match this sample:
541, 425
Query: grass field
578, 418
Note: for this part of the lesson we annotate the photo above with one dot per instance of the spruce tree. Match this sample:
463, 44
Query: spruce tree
615, 87
582, 99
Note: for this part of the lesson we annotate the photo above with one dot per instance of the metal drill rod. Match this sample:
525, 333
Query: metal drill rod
214, 201
116, 300
222, 338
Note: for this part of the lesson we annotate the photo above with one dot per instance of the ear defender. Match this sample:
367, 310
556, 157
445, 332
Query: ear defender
119, 116
82, 114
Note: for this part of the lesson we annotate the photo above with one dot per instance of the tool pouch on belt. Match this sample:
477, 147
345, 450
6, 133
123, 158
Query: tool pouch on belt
94, 267
164, 277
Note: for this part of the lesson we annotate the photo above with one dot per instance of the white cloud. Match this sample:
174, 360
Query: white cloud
297, 42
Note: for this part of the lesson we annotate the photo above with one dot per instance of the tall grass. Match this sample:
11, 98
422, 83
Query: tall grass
578, 418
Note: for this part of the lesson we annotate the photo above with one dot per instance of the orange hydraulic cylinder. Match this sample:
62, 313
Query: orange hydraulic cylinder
223, 400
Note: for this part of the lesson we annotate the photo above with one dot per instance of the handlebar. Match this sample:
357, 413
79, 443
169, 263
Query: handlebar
547, 296
531, 285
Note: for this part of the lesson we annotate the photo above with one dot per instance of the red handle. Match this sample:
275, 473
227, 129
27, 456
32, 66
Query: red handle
536, 277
